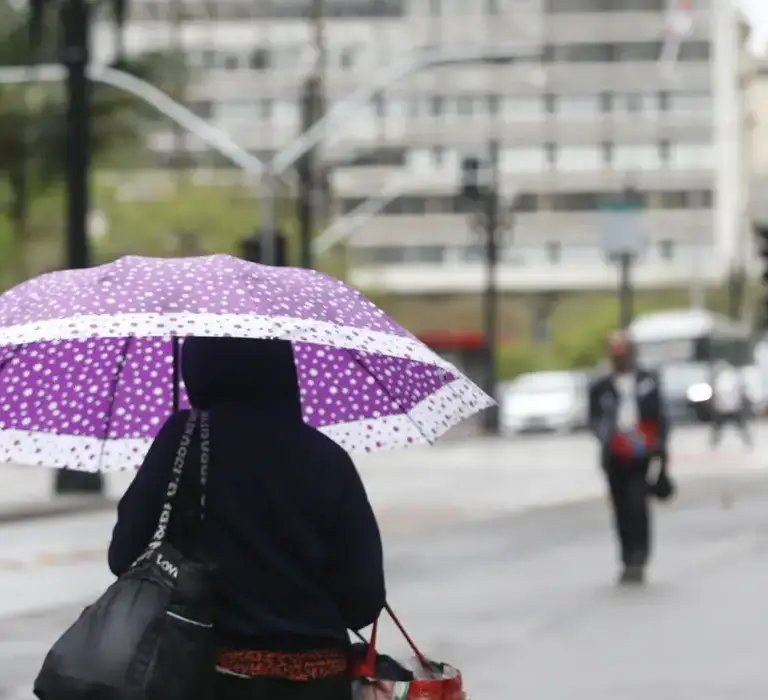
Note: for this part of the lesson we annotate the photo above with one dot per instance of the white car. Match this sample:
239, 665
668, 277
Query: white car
544, 401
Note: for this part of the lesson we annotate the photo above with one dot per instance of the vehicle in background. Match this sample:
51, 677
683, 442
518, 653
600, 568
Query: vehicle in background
685, 387
689, 336
756, 388
544, 402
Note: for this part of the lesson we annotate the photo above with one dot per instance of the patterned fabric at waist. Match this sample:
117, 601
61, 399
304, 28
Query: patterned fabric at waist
294, 666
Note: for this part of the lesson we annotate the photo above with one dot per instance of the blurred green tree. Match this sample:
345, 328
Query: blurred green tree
32, 127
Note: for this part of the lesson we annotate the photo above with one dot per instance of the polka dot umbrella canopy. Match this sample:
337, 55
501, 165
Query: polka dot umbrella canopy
87, 358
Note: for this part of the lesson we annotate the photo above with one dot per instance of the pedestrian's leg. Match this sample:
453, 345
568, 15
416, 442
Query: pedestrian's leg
617, 484
742, 422
639, 514
716, 430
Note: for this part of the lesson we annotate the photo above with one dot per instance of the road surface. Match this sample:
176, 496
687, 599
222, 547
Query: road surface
525, 604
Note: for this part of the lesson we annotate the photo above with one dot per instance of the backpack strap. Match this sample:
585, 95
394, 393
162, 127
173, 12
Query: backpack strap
185, 526
161, 532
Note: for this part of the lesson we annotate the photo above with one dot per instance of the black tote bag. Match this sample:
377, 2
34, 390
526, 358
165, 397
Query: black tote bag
150, 635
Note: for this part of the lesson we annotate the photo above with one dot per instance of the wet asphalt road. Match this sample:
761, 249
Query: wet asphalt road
526, 605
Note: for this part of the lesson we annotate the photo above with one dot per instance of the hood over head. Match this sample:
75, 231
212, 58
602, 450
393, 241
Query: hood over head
248, 371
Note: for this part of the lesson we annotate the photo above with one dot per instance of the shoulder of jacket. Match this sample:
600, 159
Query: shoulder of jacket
600, 382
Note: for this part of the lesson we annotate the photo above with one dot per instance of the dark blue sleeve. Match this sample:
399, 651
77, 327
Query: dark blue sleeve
139, 509
358, 572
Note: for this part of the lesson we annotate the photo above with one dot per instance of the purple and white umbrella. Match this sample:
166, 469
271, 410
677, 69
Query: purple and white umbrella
87, 369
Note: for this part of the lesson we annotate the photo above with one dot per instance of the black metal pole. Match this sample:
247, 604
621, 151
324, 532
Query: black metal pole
306, 170
737, 282
626, 296
75, 56
491, 294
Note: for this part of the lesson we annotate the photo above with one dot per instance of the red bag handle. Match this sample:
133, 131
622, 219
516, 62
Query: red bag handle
370, 657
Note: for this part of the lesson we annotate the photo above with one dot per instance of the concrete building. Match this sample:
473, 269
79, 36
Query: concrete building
584, 112
758, 151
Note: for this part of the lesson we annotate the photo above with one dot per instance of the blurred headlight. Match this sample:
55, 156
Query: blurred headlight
699, 393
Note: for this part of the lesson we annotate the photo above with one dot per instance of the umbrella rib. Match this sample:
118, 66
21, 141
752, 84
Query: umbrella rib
115, 383
10, 357
7, 361
359, 361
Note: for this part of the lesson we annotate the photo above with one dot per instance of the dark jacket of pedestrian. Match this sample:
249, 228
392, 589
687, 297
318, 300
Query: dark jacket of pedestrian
604, 409
288, 521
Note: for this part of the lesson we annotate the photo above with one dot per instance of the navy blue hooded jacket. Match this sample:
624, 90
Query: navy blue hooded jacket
288, 521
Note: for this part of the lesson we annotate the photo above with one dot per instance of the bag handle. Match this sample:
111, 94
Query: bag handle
370, 657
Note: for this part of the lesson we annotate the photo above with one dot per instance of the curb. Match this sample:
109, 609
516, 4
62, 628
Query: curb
58, 507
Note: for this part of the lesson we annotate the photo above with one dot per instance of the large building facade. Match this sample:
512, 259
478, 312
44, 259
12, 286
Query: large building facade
583, 112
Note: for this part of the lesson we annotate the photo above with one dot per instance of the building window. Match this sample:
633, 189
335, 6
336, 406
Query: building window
419, 106
689, 102
523, 109
578, 106
580, 53
437, 106
230, 61
259, 59
420, 160
347, 57
424, 254
635, 103
525, 159
695, 199
574, 201
635, 157
494, 104
694, 51
465, 105
379, 106
576, 6
575, 159
265, 109
691, 156
637, 51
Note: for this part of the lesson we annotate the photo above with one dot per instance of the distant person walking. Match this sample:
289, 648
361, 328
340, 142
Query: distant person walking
729, 403
626, 414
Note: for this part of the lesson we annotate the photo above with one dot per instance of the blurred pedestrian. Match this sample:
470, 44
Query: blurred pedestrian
287, 523
729, 403
626, 414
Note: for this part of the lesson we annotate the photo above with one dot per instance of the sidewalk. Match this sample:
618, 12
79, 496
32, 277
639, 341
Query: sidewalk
473, 479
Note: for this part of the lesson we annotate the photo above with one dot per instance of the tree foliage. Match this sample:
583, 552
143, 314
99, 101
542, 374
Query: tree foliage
33, 125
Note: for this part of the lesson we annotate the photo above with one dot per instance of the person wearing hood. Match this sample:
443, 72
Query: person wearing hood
288, 524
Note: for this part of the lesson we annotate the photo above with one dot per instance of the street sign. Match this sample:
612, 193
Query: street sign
623, 233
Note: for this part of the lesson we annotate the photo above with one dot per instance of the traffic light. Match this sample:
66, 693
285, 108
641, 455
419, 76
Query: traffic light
761, 232
251, 248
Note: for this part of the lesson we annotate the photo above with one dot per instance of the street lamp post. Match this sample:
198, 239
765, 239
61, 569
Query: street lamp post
481, 187
75, 57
